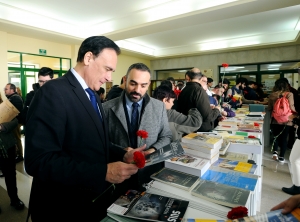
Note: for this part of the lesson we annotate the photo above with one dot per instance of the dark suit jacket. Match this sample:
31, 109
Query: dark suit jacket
67, 151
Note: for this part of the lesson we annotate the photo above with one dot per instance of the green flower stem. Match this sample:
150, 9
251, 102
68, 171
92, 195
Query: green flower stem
104, 192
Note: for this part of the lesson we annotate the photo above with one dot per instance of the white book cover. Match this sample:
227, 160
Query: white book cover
207, 139
198, 153
201, 148
188, 164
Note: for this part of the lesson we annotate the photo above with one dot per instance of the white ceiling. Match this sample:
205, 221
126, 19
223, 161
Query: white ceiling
158, 28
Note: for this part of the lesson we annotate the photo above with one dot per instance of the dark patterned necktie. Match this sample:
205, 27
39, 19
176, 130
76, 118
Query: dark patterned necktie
93, 101
134, 123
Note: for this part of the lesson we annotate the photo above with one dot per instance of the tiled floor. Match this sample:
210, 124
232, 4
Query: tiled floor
275, 176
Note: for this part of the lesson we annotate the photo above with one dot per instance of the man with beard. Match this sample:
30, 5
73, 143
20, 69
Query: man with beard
151, 117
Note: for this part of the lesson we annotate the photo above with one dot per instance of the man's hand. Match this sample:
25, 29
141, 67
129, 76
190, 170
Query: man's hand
128, 157
288, 205
117, 172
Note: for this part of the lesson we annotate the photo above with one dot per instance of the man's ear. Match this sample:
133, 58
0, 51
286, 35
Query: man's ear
87, 57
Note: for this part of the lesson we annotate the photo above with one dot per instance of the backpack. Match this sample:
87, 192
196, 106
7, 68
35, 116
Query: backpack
281, 110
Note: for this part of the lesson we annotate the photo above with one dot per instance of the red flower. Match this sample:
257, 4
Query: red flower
142, 133
253, 137
139, 159
231, 98
256, 124
225, 65
237, 212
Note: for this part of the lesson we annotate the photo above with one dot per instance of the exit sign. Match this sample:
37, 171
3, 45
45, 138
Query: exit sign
42, 51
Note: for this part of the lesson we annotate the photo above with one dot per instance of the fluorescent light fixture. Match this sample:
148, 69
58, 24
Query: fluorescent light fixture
274, 69
134, 47
274, 65
298, 25
182, 71
271, 75
252, 76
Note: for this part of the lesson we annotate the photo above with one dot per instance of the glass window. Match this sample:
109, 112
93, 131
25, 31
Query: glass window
40, 61
238, 69
279, 66
268, 81
13, 59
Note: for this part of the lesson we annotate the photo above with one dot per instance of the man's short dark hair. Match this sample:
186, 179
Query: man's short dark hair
194, 75
46, 71
100, 91
95, 45
225, 81
162, 92
171, 79
166, 83
180, 81
217, 87
209, 80
241, 80
252, 82
138, 66
12, 86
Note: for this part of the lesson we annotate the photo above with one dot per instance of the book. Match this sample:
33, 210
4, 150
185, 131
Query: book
245, 140
188, 164
231, 178
171, 150
7, 111
201, 148
242, 157
150, 207
228, 123
199, 153
249, 128
234, 165
221, 194
271, 216
176, 178
226, 128
224, 147
209, 140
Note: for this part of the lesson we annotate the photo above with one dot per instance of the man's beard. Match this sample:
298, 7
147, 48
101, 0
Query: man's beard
131, 98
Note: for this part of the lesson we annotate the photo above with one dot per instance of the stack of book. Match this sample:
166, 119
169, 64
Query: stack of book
203, 145
250, 127
241, 112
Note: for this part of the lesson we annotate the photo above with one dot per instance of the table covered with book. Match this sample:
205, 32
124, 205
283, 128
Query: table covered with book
212, 183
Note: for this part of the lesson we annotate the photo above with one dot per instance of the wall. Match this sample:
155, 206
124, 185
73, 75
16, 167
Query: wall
211, 61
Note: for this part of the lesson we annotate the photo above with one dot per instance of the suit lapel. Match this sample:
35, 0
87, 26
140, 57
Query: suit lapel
118, 109
82, 97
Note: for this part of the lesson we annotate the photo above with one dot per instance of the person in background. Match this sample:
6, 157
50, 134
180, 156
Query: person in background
68, 152
224, 83
172, 80
18, 90
7, 161
101, 94
12, 95
249, 92
169, 84
179, 123
260, 93
210, 83
180, 85
280, 130
194, 96
295, 160
135, 110
116, 90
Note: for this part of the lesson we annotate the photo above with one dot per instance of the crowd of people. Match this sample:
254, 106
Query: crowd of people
79, 144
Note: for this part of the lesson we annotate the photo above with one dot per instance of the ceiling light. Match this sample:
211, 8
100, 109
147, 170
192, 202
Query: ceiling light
273, 69
274, 65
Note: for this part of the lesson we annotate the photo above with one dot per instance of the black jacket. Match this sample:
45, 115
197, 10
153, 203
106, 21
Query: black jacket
194, 96
114, 92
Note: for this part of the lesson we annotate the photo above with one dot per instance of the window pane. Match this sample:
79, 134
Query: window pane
268, 81
37, 62
242, 68
66, 64
13, 59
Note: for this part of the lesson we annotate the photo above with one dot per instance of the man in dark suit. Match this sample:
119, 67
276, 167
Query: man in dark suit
68, 151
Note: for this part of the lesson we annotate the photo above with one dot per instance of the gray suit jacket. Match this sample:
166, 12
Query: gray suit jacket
153, 119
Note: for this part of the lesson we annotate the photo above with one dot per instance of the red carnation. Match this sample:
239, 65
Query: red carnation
139, 159
253, 137
237, 212
256, 124
225, 65
142, 133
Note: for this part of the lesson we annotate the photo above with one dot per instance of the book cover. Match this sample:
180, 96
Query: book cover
147, 206
245, 140
221, 194
200, 154
231, 178
209, 140
226, 128
171, 150
272, 216
228, 123
188, 164
235, 165
242, 157
176, 178
224, 147
249, 128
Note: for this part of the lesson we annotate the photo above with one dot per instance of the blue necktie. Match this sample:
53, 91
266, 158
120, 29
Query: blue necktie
134, 124
93, 101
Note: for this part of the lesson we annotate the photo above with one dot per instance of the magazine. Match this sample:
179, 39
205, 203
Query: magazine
188, 164
176, 178
171, 150
242, 157
150, 207
271, 216
234, 165
221, 194
231, 178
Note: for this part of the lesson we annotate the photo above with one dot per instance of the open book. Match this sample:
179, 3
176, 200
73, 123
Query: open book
149, 207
